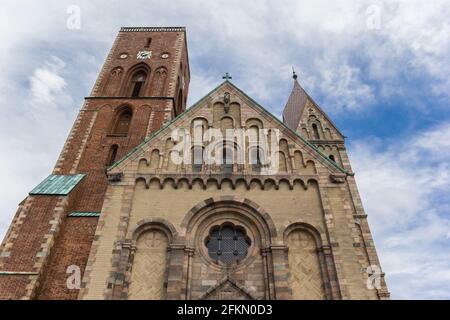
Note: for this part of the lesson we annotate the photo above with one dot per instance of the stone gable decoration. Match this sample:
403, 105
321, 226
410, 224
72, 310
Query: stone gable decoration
222, 200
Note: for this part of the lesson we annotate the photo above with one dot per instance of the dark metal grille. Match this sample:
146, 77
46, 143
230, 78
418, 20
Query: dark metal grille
227, 244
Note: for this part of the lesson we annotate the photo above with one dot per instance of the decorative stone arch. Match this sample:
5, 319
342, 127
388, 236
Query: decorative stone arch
256, 181
139, 67
106, 106
143, 106
323, 250
228, 116
274, 182
118, 113
214, 181
250, 122
200, 182
312, 181
215, 212
154, 223
141, 179
220, 145
225, 180
243, 181
287, 228
159, 81
300, 182
113, 81
183, 180
243, 206
204, 123
316, 127
146, 272
287, 181
169, 182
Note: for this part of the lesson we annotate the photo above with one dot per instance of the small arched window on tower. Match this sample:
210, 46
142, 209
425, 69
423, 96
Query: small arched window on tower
148, 42
137, 83
316, 131
332, 158
122, 123
180, 102
112, 155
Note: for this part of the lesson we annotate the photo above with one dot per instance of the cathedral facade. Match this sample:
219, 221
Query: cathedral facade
150, 200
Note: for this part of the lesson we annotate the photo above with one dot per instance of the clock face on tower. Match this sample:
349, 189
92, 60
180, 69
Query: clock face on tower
142, 55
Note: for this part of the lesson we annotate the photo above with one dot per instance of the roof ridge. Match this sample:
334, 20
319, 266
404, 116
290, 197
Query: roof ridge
152, 29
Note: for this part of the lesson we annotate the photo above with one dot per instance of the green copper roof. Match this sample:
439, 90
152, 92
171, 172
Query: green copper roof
84, 214
58, 185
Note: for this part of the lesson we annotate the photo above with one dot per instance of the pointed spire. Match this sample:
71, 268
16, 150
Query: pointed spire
295, 104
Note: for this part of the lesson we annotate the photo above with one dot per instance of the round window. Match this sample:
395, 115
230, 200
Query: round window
228, 244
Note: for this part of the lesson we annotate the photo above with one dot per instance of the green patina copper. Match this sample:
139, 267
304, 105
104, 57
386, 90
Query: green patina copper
58, 185
84, 214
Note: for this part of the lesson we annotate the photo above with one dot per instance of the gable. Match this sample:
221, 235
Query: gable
227, 289
227, 107
304, 115
311, 115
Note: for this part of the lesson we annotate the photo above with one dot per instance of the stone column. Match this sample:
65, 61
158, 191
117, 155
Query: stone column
280, 272
334, 289
175, 283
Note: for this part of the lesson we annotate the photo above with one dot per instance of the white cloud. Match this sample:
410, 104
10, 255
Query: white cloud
46, 83
344, 65
405, 187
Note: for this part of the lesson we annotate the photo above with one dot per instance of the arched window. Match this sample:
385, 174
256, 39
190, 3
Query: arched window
227, 157
316, 131
254, 147
228, 244
112, 155
122, 123
148, 43
332, 157
137, 83
256, 158
197, 158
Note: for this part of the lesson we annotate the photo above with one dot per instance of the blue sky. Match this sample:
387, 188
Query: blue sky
379, 68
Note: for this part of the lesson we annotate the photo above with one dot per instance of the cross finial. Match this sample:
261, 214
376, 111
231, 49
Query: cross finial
227, 77
294, 75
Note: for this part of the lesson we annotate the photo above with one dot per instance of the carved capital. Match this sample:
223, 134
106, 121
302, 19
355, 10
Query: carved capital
115, 177
282, 248
337, 178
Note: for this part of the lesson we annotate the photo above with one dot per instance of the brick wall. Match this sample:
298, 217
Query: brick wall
41, 239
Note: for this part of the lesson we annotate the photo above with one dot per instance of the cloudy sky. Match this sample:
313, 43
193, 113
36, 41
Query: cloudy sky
379, 68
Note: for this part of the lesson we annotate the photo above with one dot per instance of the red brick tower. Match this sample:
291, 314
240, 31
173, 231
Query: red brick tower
143, 84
